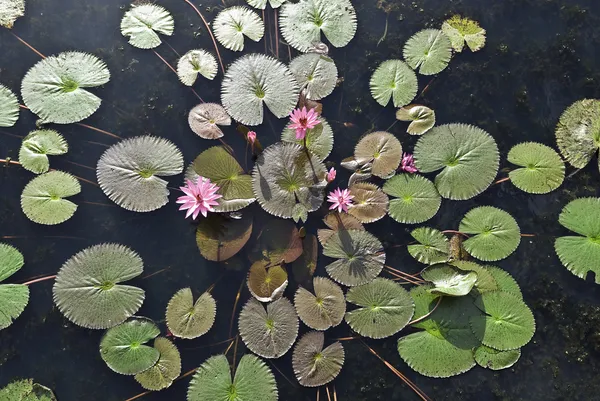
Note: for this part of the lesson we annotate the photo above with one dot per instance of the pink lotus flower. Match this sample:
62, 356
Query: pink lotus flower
303, 120
341, 199
408, 164
251, 137
199, 197
331, 175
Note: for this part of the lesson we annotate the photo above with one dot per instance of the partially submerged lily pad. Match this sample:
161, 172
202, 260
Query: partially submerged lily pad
394, 79
360, 257
314, 365
433, 246
578, 132
490, 358
10, 10
319, 140
194, 63
13, 297
26, 390
304, 267
269, 333
43, 198
166, 369
382, 149
278, 242
323, 309
36, 147
461, 30
467, 155
205, 118
267, 283
143, 22
9, 104
422, 118
428, 51
88, 289
188, 319
385, 308
129, 172
542, 170
370, 203
219, 237
338, 221
448, 280
494, 233
414, 198
316, 73
233, 23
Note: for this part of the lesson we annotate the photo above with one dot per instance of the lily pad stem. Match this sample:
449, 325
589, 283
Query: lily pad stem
209, 32
427, 314
8, 161
37, 280
455, 232
502, 180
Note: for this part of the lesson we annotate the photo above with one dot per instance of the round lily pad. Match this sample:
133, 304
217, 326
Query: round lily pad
422, 118
414, 198
143, 22
542, 170
433, 246
314, 365
205, 118
37, 145
166, 369
9, 106
319, 140
43, 198
382, 149
448, 280
233, 23
196, 62
188, 319
490, 358
394, 79
316, 73
323, 309
428, 51
370, 204
219, 237
494, 233
577, 134
267, 283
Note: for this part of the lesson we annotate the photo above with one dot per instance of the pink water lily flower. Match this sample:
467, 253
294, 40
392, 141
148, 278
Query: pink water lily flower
251, 137
408, 164
303, 120
331, 175
340, 199
199, 197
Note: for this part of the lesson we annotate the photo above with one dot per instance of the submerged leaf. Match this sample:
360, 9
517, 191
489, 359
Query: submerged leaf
382, 149
9, 104
460, 30
578, 132
196, 62
415, 198
267, 283
448, 280
304, 267
278, 242
542, 168
394, 79
433, 246
188, 319
36, 147
314, 365
10, 10
166, 369
233, 23
316, 73
338, 221
323, 309
43, 200
142, 22
319, 140
56, 87
422, 118
254, 80
129, 171
302, 23
220, 238
428, 51
490, 358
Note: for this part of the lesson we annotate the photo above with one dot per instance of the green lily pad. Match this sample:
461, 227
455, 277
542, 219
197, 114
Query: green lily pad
414, 198
36, 147
219, 237
143, 22
315, 365
428, 51
542, 169
26, 390
188, 319
505, 281
316, 73
323, 309
9, 103
461, 30
43, 198
370, 203
382, 149
319, 140
490, 358
448, 280
422, 118
578, 132
13, 297
267, 284
196, 62
166, 369
394, 79
233, 23
433, 246
486, 281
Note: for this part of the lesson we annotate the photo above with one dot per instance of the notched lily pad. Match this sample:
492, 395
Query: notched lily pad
448, 280
36, 147
233, 23
414, 198
433, 246
166, 369
43, 198
13, 297
316, 73
205, 118
428, 51
188, 319
219, 237
267, 283
194, 63
9, 103
143, 22
315, 365
323, 309
542, 170
422, 118
578, 132
370, 203
394, 79
382, 149
461, 30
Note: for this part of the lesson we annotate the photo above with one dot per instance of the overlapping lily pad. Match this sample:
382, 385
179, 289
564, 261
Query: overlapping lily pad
370, 203
494, 234
428, 51
414, 198
448, 280
26, 390
36, 147
338, 221
304, 267
319, 140
578, 133
422, 118
88, 289
43, 198
10, 10
314, 365
129, 172
262, 4
461, 30
278, 242
188, 319
385, 308
316, 73
493, 359
205, 118
13, 297
580, 254
56, 87
323, 309
9, 104
394, 79
382, 149
143, 22
223, 169
219, 237
166, 369
433, 246
302, 22
286, 177
486, 281
505, 281
253, 380
269, 333
124, 348
360, 257
267, 283
467, 155
233, 23
542, 170
255, 80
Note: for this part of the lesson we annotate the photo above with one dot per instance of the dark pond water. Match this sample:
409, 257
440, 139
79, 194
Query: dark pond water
540, 57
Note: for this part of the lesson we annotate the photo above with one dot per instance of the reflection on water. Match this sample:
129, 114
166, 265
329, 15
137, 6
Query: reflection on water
540, 57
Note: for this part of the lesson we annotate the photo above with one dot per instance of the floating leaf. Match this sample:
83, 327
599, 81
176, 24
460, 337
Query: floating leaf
581, 254
269, 333
304, 267
360, 257
9, 104
323, 309
302, 23
316, 73
507, 324
486, 281
385, 308
124, 348
88, 289
189, 319
267, 283
369, 204
255, 79
219, 237
56, 87
578, 133
26, 390
460, 30
167, 369
415, 198
467, 155
11, 261
449, 280
286, 175
205, 118
428, 51
13, 297
43, 200
143, 22
425, 301
422, 118
394, 79
338, 221
496, 360
505, 281
196, 62
315, 366
433, 246
233, 23
542, 168
36, 147
382, 149
279, 242
496, 233
10, 10
262, 4
129, 171
253, 380
319, 140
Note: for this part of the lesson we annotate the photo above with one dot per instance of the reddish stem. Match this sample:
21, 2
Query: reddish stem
28, 45
10, 162
209, 32
502, 180
37, 280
